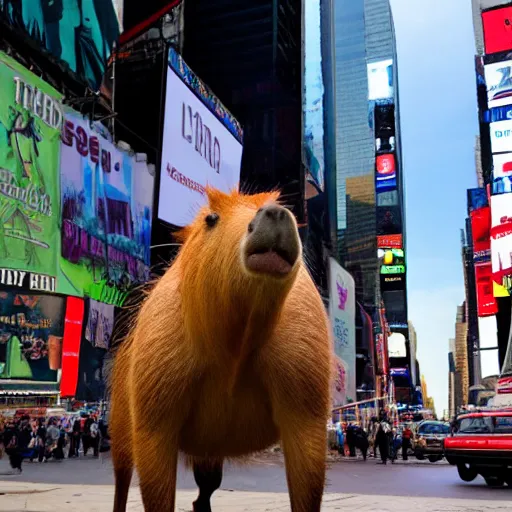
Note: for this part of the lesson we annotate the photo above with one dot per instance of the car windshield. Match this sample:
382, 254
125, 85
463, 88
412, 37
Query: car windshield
434, 428
486, 425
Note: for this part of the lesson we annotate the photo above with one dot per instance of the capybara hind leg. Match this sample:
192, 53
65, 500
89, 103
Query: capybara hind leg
123, 479
304, 452
208, 476
156, 461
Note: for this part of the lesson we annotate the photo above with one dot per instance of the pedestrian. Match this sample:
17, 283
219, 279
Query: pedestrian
340, 438
406, 441
40, 439
11, 435
74, 444
383, 438
52, 440
351, 440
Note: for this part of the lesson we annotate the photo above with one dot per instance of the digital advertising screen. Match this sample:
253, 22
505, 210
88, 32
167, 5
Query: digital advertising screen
498, 77
481, 235
392, 282
486, 303
385, 172
397, 345
477, 198
502, 165
389, 220
390, 242
198, 150
497, 30
380, 80
501, 236
501, 136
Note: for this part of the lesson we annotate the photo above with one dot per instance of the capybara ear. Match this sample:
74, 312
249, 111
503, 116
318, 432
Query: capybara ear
263, 198
216, 198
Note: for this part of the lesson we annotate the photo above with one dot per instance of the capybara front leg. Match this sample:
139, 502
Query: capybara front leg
304, 451
156, 460
208, 476
123, 477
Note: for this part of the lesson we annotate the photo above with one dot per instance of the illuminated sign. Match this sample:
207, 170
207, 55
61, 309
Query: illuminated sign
392, 269
497, 30
380, 80
389, 242
391, 256
498, 77
385, 164
501, 136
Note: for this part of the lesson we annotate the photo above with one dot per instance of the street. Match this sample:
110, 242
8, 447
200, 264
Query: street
366, 486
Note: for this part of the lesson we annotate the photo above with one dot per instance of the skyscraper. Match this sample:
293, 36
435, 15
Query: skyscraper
370, 194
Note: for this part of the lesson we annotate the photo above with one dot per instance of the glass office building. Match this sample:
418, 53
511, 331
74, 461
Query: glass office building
370, 195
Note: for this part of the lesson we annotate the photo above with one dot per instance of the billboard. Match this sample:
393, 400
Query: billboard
389, 220
390, 242
385, 172
501, 236
486, 303
199, 147
380, 80
498, 77
30, 124
502, 166
107, 202
477, 198
342, 312
31, 334
481, 235
501, 136
497, 25
80, 33
397, 345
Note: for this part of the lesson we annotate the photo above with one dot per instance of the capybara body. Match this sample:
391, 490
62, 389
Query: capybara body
230, 352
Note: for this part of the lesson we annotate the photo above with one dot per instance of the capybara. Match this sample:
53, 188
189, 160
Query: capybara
229, 353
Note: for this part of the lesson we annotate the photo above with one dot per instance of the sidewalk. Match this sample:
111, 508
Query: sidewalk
18, 497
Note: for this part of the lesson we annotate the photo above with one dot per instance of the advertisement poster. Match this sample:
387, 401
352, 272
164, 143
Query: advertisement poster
497, 25
501, 136
498, 77
81, 33
385, 177
477, 198
201, 146
397, 345
29, 177
501, 236
481, 235
339, 392
342, 312
107, 197
31, 330
380, 80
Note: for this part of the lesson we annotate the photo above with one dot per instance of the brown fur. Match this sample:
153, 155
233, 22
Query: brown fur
219, 364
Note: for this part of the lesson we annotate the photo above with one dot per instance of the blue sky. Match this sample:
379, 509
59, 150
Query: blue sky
439, 123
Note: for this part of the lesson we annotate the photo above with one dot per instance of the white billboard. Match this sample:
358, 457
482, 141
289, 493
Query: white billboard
501, 136
502, 165
498, 77
380, 80
396, 345
342, 312
197, 150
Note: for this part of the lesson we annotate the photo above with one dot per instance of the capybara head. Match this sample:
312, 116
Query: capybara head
239, 250
244, 236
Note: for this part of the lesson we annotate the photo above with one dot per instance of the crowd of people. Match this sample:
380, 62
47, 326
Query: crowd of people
43, 439
379, 435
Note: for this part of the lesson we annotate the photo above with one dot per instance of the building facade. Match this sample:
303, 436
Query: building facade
370, 194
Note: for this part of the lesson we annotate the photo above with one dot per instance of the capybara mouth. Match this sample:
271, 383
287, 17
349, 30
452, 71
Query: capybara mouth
271, 261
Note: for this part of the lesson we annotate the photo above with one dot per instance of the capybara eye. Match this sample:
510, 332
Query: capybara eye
211, 220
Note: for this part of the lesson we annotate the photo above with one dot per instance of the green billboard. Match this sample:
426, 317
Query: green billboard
30, 127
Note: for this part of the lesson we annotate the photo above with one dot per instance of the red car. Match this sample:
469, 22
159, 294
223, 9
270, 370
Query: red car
482, 445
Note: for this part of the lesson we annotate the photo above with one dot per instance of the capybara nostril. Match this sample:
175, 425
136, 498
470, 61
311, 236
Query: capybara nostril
250, 228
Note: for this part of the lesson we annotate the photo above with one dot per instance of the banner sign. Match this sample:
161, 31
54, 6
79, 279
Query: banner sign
498, 77
501, 236
481, 235
31, 328
107, 198
80, 33
392, 269
389, 242
71, 346
342, 312
30, 124
486, 303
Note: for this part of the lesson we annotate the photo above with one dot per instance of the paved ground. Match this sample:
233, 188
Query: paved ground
261, 486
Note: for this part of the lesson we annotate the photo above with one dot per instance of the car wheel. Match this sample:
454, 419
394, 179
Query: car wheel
494, 481
434, 458
419, 456
466, 473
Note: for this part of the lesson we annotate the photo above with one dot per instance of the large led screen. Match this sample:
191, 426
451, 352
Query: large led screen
501, 137
498, 77
497, 30
389, 220
380, 80
385, 172
198, 150
501, 236
397, 345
